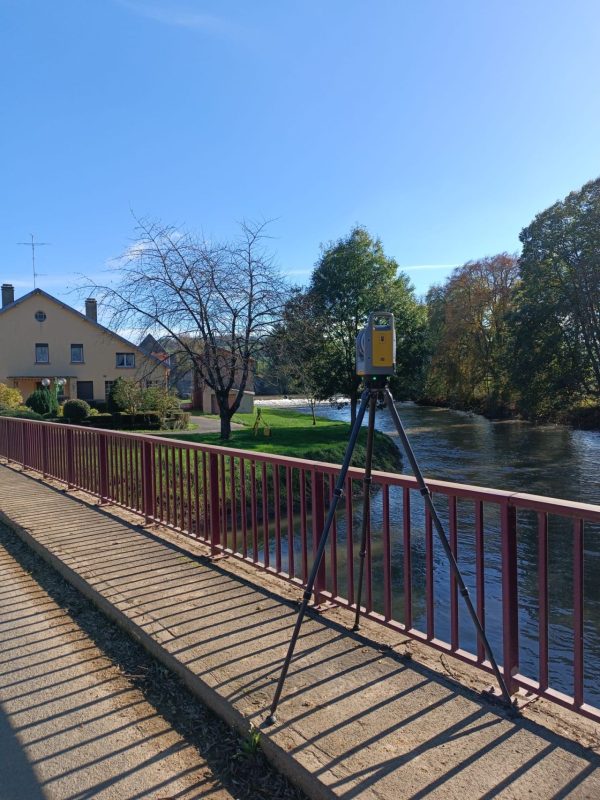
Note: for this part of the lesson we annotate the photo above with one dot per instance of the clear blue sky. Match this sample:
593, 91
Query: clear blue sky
443, 127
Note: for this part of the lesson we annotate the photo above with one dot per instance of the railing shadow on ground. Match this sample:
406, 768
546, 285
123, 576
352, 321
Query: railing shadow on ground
67, 710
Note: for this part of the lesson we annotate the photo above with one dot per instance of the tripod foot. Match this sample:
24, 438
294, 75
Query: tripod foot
356, 627
270, 720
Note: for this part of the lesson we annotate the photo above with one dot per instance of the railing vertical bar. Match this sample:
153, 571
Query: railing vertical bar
407, 575
265, 514
205, 490
196, 531
167, 483
129, 473
223, 483
318, 520
452, 510
333, 559
277, 502
181, 495
543, 598
510, 602
429, 584
215, 523
303, 532
578, 578
254, 511
233, 493
480, 574
289, 491
387, 555
369, 564
161, 460
244, 508
189, 526
349, 541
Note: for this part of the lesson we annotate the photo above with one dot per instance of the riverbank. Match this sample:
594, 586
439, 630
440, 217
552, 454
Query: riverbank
286, 432
585, 418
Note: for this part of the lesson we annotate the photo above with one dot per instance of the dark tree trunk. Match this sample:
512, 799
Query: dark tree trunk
225, 426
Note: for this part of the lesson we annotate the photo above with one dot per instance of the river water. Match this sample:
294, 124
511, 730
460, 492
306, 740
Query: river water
547, 460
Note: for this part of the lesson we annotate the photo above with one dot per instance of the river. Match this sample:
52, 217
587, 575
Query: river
547, 460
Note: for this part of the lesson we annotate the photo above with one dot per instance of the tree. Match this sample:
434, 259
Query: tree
42, 401
352, 278
297, 349
215, 301
9, 397
126, 395
469, 333
557, 321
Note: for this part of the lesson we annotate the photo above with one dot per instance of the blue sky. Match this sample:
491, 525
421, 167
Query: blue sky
443, 127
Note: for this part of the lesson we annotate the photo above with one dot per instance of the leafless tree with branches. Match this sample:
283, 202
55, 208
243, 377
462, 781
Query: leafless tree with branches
214, 302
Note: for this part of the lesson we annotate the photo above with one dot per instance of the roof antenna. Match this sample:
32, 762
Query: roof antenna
33, 244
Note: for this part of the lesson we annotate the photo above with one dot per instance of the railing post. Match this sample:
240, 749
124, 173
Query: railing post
103, 468
148, 498
44, 451
510, 599
70, 459
215, 523
318, 523
23, 458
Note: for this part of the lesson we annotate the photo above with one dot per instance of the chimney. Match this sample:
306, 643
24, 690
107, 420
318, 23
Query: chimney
91, 309
8, 294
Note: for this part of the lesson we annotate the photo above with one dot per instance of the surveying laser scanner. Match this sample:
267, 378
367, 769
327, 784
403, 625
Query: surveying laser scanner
376, 363
376, 346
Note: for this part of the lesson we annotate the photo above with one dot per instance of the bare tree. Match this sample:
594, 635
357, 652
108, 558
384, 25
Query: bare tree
215, 302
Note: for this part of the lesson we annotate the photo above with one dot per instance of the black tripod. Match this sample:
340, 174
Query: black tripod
376, 386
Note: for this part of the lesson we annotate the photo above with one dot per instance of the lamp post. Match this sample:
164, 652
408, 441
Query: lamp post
58, 384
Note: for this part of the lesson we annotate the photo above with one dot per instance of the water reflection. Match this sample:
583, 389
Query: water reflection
466, 448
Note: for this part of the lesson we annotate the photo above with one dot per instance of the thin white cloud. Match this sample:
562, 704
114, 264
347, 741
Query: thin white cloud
168, 13
429, 266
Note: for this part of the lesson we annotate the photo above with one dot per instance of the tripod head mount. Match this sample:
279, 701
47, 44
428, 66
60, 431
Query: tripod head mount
376, 383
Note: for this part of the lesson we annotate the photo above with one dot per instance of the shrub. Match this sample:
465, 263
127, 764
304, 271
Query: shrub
20, 413
10, 398
177, 421
101, 406
158, 398
125, 395
42, 401
75, 410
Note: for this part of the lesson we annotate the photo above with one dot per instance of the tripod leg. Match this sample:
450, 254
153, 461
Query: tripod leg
445, 544
337, 493
366, 506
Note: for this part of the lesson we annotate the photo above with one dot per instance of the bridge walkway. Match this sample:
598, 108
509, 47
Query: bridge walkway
368, 715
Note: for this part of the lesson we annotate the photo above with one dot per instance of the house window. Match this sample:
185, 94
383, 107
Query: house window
42, 354
76, 354
126, 360
40, 316
107, 387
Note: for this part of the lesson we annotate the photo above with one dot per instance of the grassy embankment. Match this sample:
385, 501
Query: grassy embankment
293, 434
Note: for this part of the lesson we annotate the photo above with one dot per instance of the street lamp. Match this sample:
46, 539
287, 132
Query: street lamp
58, 384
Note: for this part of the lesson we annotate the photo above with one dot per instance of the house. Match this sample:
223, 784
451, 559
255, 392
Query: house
186, 379
42, 337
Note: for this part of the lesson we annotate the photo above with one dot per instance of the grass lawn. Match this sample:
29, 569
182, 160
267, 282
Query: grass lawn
293, 434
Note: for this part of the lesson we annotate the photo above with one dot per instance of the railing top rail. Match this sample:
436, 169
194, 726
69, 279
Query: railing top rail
520, 500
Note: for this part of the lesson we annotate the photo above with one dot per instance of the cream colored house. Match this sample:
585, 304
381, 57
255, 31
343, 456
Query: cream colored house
41, 337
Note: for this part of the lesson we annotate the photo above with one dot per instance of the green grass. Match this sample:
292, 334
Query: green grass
293, 434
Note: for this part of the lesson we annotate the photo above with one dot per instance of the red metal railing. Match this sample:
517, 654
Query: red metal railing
269, 511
